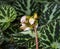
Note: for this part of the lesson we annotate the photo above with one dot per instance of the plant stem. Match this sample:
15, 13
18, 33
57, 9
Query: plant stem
36, 37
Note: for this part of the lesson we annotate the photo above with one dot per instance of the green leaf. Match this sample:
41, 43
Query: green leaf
25, 7
50, 35
49, 26
50, 12
7, 15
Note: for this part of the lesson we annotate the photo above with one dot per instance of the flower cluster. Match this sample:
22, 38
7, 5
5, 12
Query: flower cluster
29, 22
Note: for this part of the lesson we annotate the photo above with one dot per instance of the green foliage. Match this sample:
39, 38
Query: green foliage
50, 35
49, 23
1, 37
49, 31
50, 12
7, 15
25, 7
2, 2
58, 1
50, 28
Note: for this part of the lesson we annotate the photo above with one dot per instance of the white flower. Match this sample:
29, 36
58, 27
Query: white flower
23, 19
28, 23
31, 21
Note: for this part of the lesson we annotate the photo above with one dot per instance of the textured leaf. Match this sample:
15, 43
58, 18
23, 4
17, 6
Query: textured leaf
50, 12
51, 35
7, 15
25, 7
1, 37
2, 2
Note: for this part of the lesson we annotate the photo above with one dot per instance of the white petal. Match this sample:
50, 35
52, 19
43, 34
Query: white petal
23, 19
31, 21
28, 28
23, 24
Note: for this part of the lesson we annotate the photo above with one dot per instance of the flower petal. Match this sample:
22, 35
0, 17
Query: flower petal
28, 28
22, 27
23, 24
31, 20
23, 19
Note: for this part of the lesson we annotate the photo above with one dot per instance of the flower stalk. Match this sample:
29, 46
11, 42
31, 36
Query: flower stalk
36, 37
